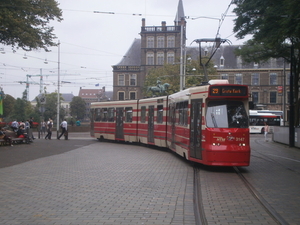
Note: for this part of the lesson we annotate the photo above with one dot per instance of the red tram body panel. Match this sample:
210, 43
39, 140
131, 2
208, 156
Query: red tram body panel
115, 121
206, 124
152, 121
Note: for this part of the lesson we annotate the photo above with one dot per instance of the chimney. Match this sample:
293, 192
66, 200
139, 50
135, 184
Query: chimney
143, 22
163, 23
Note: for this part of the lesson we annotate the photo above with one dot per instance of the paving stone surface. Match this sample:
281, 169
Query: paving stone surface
101, 183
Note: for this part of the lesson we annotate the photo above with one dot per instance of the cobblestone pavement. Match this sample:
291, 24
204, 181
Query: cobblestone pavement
96, 183
274, 172
82, 181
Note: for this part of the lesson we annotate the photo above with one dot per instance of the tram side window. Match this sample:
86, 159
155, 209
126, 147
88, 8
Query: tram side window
104, 114
143, 114
128, 115
182, 113
160, 111
111, 114
97, 115
177, 113
92, 114
171, 116
185, 113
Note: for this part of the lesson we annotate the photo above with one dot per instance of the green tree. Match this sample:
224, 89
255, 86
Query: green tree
25, 24
77, 107
8, 105
50, 107
22, 110
274, 26
19, 110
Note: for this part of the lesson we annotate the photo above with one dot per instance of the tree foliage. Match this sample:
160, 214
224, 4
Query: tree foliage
77, 107
25, 23
8, 105
50, 107
22, 110
170, 73
274, 26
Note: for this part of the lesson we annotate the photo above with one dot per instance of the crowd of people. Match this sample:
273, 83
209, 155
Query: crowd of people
21, 129
24, 130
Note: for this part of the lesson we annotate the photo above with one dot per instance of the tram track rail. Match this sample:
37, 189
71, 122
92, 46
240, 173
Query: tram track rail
273, 158
268, 208
198, 206
199, 211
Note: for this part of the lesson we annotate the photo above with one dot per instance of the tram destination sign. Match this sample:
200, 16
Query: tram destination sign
228, 90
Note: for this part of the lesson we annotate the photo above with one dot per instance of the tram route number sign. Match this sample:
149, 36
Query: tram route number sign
228, 91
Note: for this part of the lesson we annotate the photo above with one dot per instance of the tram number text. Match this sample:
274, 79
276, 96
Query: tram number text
240, 139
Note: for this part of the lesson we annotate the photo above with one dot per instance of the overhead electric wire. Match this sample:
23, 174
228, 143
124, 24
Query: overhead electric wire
223, 16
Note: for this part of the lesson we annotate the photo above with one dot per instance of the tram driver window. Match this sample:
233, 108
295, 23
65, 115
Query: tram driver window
128, 111
226, 114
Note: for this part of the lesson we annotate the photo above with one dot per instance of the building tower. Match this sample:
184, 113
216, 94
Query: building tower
158, 45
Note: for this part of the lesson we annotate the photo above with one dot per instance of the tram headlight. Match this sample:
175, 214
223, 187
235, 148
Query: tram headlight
214, 144
242, 144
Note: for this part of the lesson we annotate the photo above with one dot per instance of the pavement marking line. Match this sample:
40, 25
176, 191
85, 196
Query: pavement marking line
284, 158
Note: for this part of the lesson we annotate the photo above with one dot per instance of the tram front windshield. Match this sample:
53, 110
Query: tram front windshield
226, 114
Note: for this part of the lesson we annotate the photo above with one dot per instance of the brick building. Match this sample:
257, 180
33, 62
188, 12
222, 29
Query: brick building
93, 95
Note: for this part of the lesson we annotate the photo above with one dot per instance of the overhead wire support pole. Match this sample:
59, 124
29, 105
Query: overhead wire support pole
181, 58
218, 42
292, 112
58, 90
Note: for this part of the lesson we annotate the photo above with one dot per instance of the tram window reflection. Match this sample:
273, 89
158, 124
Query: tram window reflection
226, 114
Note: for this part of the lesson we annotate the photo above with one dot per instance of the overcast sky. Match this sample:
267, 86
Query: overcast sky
91, 43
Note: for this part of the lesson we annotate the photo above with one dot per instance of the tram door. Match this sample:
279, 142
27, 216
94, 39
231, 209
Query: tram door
195, 129
119, 123
151, 124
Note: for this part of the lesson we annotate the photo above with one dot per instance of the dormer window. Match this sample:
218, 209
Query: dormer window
206, 52
222, 61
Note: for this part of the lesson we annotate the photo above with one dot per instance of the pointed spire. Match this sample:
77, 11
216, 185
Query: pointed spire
180, 13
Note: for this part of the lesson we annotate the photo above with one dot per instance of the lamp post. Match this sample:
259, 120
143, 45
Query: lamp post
58, 90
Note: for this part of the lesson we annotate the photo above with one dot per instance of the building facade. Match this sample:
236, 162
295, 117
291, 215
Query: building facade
93, 95
268, 82
158, 45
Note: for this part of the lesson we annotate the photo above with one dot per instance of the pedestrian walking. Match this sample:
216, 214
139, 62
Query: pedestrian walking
266, 131
64, 128
49, 129
43, 127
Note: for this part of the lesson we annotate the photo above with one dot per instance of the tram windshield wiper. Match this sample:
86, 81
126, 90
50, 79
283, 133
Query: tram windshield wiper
214, 120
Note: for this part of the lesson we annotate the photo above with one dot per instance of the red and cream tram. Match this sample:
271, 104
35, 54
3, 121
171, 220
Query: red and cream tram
207, 124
